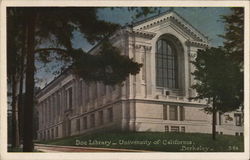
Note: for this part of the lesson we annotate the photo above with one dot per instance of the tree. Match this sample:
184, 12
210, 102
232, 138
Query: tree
234, 43
107, 66
234, 35
56, 26
218, 81
14, 61
219, 71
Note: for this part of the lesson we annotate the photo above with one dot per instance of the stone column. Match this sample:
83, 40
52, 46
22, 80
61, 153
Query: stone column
50, 110
139, 51
53, 107
168, 113
83, 96
178, 113
131, 85
125, 115
192, 56
42, 114
46, 112
148, 70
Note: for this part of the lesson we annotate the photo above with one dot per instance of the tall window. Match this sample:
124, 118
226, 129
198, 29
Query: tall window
92, 120
110, 114
78, 125
165, 112
182, 113
58, 104
100, 113
173, 113
56, 131
238, 119
166, 65
85, 123
80, 92
70, 102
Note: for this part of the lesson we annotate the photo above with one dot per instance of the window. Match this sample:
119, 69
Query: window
56, 131
166, 129
44, 135
85, 126
92, 120
183, 129
110, 114
237, 119
58, 104
80, 92
94, 90
166, 65
52, 133
173, 113
165, 112
182, 113
86, 93
48, 132
70, 103
174, 128
100, 114
78, 125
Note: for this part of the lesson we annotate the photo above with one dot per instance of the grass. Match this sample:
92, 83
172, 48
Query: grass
156, 141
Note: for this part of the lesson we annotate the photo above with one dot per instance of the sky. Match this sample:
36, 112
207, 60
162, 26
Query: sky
206, 19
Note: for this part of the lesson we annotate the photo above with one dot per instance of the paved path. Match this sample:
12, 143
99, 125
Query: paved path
56, 148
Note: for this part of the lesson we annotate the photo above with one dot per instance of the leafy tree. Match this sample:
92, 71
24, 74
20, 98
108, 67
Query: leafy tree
15, 62
234, 36
109, 66
234, 43
55, 26
219, 71
218, 81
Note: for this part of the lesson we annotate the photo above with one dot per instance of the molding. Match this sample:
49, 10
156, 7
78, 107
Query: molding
196, 44
143, 34
177, 20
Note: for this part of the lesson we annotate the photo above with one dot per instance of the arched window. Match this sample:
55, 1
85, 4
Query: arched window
166, 64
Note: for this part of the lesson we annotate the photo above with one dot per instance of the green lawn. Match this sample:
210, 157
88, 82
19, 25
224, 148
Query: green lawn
155, 141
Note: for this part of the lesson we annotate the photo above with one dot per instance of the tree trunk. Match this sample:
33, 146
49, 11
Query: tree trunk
20, 96
20, 102
214, 123
15, 130
28, 145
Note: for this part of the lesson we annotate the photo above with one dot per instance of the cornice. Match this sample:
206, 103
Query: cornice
143, 34
197, 44
177, 20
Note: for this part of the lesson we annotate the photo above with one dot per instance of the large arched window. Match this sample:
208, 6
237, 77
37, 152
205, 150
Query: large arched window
166, 64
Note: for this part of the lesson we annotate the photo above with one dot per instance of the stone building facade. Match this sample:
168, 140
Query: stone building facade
155, 100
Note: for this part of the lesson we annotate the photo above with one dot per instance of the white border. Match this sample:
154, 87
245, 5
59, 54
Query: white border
119, 156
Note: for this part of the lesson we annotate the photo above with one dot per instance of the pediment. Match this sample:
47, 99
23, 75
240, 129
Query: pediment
173, 20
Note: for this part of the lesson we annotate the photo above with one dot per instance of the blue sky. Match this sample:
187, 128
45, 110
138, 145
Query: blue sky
206, 19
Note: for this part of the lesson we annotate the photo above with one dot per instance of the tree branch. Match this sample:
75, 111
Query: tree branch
51, 49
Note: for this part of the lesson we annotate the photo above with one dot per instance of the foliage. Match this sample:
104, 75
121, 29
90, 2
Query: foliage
234, 36
43, 31
218, 78
108, 66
